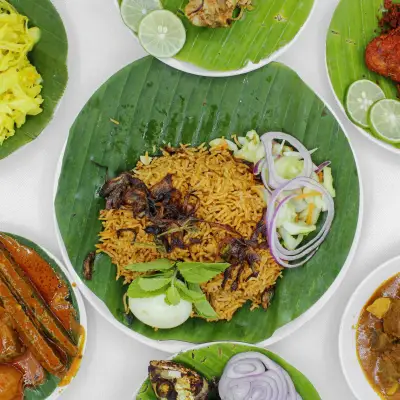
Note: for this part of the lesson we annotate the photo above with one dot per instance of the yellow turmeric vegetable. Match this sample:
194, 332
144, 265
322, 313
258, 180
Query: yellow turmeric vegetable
20, 82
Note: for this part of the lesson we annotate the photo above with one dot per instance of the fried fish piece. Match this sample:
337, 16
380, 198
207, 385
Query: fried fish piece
171, 380
214, 13
383, 55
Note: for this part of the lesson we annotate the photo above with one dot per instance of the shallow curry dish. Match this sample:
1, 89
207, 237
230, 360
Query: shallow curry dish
368, 339
42, 322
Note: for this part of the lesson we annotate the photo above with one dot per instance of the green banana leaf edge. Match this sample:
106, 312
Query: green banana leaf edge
51, 384
269, 27
353, 26
211, 360
49, 56
155, 104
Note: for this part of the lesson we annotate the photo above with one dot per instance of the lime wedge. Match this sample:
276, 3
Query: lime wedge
360, 97
384, 119
162, 34
133, 11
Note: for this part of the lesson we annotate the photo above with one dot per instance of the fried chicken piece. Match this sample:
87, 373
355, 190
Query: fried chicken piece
214, 13
383, 55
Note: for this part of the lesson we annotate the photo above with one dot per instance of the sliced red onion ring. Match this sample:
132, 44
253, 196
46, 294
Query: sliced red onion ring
274, 180
258, 167
305, 252
253, 376
322, 166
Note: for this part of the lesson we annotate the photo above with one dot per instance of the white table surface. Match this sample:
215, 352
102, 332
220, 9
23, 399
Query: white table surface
114, 364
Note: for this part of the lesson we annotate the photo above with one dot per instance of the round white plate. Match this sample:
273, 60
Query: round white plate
366, 134
173, 346
347, 337
200, 347
189, 68
82, 314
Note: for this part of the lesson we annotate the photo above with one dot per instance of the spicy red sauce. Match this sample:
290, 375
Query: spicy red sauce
53, 290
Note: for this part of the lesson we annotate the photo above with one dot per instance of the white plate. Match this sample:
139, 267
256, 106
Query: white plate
185, 66
347, 336
366, 134
82, 315
206, 345
174, 346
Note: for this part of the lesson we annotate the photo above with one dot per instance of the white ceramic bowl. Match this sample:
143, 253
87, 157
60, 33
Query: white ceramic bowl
82, 315
347, 337
173, 346
194, 70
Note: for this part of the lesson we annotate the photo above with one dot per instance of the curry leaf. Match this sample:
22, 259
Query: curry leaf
187, 294
150, 284
198, 272
172, 296
161, 264
136, 292
203, 307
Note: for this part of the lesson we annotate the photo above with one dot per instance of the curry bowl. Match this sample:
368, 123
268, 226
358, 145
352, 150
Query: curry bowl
366, 339
42, 320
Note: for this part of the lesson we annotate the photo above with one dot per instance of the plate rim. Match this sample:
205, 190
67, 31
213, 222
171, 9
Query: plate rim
193, 69
369, 136
348, 316
59, 390
207, 344
174, 346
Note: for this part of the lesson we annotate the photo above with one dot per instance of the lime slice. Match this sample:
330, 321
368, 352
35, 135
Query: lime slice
133, 11
360, 97
384, 119
162, 34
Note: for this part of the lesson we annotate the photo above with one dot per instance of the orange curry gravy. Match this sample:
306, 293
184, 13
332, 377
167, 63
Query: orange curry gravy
378, 351
54, 291
19, 366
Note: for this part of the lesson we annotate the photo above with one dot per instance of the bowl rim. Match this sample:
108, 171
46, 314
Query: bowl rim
350, 365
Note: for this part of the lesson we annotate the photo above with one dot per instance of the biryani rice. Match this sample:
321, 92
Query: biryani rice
229, 194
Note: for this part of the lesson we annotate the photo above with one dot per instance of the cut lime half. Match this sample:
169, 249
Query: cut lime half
360, 97
133, 11
162, 34
384, 119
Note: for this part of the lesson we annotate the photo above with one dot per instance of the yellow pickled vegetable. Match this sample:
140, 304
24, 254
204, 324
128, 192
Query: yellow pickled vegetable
20, 83
380, 307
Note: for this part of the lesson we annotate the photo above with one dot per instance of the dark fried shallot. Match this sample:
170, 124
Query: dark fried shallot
88, 265
172, 215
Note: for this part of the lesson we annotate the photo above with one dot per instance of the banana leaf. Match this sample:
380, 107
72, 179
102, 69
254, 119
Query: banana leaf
49, 56
210, 362
354, 25
51, 384
156, 104
270, 26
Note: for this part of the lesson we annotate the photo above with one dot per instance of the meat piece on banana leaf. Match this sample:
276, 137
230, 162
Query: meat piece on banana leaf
175, 381
214, 13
